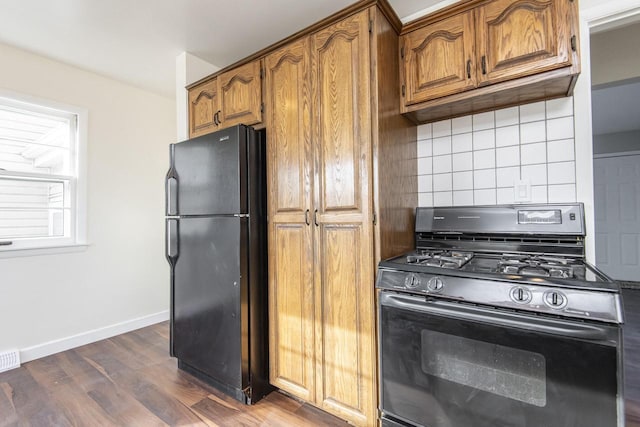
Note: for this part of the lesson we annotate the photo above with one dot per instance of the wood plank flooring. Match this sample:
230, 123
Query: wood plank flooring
130, 380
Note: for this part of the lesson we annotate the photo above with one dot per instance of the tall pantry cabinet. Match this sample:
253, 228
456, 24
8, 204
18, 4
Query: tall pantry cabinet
342, 190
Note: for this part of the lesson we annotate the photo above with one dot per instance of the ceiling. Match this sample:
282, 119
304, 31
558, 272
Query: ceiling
138, 41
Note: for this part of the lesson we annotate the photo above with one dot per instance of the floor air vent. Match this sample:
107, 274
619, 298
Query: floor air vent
9, 360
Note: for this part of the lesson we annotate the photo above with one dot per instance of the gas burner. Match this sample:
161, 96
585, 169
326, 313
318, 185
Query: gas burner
440, 258
536, 265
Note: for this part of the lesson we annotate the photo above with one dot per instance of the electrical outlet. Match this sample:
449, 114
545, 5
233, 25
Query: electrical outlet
522, 191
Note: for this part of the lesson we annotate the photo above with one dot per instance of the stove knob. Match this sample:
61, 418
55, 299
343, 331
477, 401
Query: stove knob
555, 299
435, 284
412, 281
520, 295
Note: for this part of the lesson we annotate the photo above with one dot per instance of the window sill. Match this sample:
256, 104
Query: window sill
43, 250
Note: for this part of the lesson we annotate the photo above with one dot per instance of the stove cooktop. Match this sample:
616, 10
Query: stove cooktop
553, 270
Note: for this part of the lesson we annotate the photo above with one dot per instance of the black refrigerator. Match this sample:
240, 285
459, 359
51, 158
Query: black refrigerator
216, 247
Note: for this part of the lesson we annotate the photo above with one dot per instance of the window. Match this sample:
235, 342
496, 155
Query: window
39, 170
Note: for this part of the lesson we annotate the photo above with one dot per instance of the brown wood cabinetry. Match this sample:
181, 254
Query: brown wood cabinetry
338, 153
488, 54
203, 106
232, 97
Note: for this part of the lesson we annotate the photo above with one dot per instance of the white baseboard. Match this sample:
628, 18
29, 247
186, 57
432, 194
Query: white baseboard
56, 346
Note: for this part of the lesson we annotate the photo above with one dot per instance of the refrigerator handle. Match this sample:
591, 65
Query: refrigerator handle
172, 243
171, 186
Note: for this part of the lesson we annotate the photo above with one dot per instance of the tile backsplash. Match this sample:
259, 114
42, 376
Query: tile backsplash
489, 158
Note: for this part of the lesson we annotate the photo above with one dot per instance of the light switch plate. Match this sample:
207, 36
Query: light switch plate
522, 191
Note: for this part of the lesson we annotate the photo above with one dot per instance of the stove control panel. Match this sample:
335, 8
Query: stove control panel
577, 303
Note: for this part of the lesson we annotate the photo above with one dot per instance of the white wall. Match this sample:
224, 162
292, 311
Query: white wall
121, 280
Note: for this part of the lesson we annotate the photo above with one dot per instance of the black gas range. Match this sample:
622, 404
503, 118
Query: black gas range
497, 319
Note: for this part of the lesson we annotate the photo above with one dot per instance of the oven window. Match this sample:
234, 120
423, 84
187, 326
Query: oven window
501, 370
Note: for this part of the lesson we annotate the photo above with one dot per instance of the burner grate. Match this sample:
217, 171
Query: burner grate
538, 265
436, 258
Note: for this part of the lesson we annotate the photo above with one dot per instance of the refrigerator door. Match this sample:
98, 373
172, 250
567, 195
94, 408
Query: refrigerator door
208, 175
209, 281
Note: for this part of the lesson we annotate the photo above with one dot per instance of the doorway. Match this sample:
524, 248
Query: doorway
615, 77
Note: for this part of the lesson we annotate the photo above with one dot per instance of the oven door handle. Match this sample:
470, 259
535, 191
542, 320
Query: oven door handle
565, 328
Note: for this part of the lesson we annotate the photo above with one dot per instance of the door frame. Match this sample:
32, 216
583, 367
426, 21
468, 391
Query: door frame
593, 18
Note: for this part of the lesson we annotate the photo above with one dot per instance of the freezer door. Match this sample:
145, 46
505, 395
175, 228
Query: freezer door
208, 175
209, 320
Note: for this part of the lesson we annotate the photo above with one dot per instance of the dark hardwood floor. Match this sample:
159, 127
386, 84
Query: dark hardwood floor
130, 380
631, 339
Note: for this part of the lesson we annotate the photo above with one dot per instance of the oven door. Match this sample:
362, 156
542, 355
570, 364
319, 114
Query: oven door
447, 364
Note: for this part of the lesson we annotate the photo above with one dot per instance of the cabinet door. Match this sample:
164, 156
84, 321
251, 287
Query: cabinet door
291, 305
522, 37
203, 105
439, 59
345, 308
241, 95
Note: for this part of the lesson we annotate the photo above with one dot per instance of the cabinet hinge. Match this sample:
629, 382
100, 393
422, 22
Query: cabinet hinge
403, 90
375, 219
402, 52
573, 43
262, 107
370, 26
261, 73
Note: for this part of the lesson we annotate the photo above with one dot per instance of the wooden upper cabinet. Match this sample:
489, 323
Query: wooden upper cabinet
439, 59
522, 37
289, 177
481, 55
240, 91
203, 106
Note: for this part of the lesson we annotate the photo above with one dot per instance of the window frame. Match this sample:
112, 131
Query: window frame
77, 240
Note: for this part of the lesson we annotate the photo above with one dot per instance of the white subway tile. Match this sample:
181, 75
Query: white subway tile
484, 197
442, 145
533, 153
507, 117
484, 178
425, 131
425, 200
562, 173
561, 150
536, 174
560, 107
532, 112
560, 128
462, 142
425, 183
505, 196
506, 136
461, 125
442, 164
463, 198
425, 148
483, 121
507, 156
441, 128
538, 194
532, 132
425, 165
462, 161
484, 139
562, 193
442, 182
484, 159
443, 198
463, 180
507, 177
